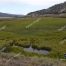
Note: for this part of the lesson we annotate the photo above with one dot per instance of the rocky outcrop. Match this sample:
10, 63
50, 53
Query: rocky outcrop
57, 9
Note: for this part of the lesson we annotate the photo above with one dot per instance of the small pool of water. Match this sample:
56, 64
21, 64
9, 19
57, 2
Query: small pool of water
30, 49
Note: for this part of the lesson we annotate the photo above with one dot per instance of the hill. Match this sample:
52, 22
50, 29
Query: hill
55, 10
2, 15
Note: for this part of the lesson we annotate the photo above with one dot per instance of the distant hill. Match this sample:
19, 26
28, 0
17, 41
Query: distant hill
9, 15
55, 10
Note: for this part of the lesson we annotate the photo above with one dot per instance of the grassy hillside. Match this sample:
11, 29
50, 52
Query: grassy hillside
48, 32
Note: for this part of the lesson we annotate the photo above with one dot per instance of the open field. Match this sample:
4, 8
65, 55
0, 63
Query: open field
48, 33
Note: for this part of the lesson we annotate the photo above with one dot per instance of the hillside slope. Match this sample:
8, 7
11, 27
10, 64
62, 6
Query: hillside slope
9, 15
56, 9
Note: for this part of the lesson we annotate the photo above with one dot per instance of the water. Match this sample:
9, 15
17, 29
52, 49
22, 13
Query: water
30, 49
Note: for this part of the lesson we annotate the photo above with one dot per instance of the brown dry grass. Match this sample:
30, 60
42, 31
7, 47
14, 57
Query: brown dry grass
28, 61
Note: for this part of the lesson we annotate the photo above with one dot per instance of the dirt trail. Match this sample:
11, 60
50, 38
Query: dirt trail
3, 27
62, 42
62, 28
28, 26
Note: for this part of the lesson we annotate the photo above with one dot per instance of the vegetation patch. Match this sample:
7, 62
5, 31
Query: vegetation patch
42, 35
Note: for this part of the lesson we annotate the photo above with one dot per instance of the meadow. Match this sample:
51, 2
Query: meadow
48, 33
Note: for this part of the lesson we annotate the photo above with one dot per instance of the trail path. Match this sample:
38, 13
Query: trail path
12, 58
62, 28
62, 42
28, 26
3, 27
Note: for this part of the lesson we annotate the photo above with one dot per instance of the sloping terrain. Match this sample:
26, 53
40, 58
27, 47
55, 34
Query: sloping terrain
56, 9
9, 15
